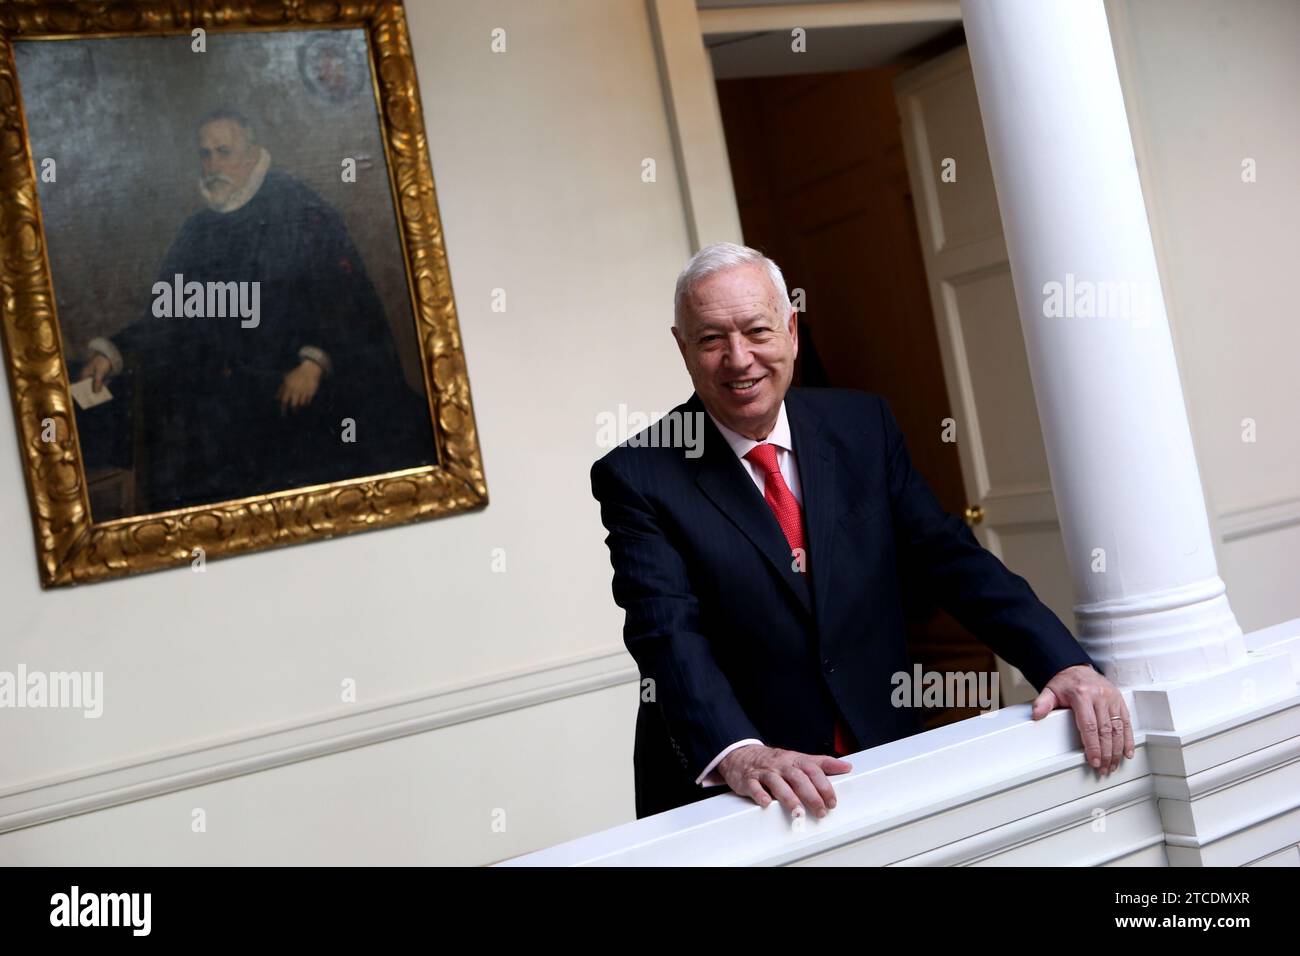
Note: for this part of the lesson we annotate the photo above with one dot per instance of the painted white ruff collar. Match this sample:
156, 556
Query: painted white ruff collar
245, 192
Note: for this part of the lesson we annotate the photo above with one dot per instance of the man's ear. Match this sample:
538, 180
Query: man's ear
794, 330
677, 337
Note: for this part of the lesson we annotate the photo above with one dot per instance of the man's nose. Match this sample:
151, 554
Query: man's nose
737, 354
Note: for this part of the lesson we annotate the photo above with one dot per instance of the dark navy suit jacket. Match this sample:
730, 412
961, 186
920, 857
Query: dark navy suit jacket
739, 644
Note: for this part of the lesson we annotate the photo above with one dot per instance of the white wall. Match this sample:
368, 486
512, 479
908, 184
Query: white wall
431, 798
537, 157
1209, 83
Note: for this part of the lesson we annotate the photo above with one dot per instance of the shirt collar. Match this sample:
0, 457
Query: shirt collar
244, 193
741, 445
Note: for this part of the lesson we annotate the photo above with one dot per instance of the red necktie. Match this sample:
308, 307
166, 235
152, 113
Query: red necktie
790, 517
779, 497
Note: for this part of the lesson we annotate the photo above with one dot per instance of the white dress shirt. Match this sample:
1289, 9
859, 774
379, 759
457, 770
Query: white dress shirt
780, 437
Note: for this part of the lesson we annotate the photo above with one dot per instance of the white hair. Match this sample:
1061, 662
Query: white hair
715, 258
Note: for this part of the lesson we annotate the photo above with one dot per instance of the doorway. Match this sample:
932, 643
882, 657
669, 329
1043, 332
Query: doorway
827, 173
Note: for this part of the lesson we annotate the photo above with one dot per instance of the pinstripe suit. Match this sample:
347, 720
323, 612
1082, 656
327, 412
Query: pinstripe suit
738, 643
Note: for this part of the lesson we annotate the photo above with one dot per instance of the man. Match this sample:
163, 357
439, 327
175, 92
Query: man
762, 578
235, 406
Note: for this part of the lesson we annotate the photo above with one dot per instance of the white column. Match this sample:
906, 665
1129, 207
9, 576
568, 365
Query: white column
1150, 605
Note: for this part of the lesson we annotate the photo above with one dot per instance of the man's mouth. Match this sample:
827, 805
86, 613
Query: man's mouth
743, 384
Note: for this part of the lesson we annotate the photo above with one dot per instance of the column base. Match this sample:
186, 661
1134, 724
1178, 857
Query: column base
1162, 637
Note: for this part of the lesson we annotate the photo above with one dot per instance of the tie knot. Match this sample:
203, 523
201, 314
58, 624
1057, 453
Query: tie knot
764, 456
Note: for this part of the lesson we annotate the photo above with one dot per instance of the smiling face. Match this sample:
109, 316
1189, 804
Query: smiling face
739, 348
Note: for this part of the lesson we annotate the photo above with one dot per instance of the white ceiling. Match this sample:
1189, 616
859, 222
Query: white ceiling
717, 4
829, 49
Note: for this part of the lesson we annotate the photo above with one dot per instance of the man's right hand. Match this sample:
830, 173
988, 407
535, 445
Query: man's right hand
99, 369
795, 779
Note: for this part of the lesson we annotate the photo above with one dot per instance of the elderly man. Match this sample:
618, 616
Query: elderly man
234, 406
761, 580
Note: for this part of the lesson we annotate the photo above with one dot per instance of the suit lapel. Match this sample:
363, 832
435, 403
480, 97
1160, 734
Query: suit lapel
816, 461
724, 480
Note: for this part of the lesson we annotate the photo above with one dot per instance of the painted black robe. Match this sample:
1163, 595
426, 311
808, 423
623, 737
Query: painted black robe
213, 429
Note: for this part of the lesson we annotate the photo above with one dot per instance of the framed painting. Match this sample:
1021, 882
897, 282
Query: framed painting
227, 314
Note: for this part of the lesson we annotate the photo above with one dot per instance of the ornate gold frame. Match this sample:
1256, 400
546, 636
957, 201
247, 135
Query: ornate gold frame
70, 548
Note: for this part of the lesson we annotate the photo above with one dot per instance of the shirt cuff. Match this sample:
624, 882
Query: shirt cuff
313, 354
106, 348
710, 779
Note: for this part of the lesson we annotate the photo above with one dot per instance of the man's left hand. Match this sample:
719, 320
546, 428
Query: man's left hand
299, 387
1099, 712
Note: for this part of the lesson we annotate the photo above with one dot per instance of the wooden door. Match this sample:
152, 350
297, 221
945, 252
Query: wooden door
999, 440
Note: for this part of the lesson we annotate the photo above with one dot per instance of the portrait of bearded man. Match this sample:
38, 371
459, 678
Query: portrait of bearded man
310, 392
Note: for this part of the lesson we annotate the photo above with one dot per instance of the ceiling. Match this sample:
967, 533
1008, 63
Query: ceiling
719, 4
828, 49
748, 38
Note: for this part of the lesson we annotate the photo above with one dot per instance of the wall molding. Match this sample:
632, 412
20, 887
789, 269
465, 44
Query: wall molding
1238, 523
1259, 519
100, 788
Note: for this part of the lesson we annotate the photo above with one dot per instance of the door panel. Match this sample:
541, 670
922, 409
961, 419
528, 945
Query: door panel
967, 209
1010, 457
999, 439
